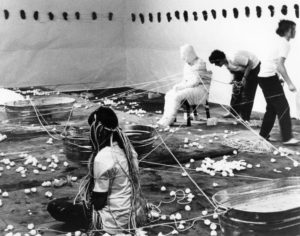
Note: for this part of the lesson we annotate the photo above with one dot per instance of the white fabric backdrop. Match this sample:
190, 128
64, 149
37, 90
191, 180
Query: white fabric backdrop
155, 47
86, 54
62, 52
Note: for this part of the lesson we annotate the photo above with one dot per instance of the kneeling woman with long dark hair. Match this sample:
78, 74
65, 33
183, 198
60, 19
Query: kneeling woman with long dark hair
111, 192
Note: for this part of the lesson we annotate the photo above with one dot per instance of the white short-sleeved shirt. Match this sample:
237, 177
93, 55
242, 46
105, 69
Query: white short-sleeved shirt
280, 47
111, 173
239, 61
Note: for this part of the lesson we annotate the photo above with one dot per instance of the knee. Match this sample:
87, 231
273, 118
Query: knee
172, 98
55, 207
286, 105
169, 94
283, 104
285, 110
52, 208
270, 109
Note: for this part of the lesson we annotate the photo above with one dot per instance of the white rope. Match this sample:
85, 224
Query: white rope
191, 179
58, 112
240, 120
202, 175
42, 123
145, 84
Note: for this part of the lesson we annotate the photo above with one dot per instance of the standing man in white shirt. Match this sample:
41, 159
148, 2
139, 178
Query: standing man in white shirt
272, 65
245, 67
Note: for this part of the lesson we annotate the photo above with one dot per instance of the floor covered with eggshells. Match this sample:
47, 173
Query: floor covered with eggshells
33, 166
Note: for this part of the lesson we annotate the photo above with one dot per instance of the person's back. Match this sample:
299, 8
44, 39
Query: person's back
276, 48
110, 195
239, 60
111, 165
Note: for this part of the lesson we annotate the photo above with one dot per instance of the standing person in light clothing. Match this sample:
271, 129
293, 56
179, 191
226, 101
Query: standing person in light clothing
244, 66
272, 65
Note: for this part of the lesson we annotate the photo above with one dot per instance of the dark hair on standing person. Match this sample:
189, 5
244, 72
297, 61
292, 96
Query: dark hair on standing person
216, 55
284, 26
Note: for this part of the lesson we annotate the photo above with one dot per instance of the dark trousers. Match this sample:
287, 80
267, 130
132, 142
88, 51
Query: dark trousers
249, 92
64, 210
242, 98
277, 105
236, 96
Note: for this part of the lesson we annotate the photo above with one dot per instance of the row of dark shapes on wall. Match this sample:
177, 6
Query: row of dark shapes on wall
271, 9
65, 15
169, 17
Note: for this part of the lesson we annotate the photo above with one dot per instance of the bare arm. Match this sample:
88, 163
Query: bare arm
244, 62
247, 71
282, 70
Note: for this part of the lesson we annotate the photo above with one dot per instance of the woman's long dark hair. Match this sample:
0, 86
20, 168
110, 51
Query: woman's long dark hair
104, 129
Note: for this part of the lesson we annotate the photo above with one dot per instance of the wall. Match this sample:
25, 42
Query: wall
153, 47
123, 50
79, 54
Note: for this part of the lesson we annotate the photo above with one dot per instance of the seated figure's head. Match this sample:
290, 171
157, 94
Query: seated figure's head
103, 123
104, 116
217, 58
188, 54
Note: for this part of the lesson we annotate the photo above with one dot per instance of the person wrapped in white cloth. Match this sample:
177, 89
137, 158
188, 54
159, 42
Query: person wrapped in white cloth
194, 87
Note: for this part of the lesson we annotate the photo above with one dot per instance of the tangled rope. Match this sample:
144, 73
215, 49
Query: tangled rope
247, 145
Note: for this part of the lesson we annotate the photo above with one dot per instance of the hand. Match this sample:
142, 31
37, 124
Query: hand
292, 88
243, 81
176, 88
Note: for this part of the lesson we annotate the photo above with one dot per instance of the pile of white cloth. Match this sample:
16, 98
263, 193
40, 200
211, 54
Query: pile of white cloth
7, 95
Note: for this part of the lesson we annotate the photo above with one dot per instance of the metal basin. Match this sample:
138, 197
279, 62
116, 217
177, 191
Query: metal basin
42, 109
267, 208
77, 145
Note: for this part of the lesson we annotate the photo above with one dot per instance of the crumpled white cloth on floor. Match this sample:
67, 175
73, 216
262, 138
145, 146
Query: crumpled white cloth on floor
7, 95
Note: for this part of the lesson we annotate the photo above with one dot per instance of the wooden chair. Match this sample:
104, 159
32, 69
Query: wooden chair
194, 108
206, 80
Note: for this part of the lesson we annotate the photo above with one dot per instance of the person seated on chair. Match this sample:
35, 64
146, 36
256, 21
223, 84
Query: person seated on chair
111, 196
245, 67
193, 88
